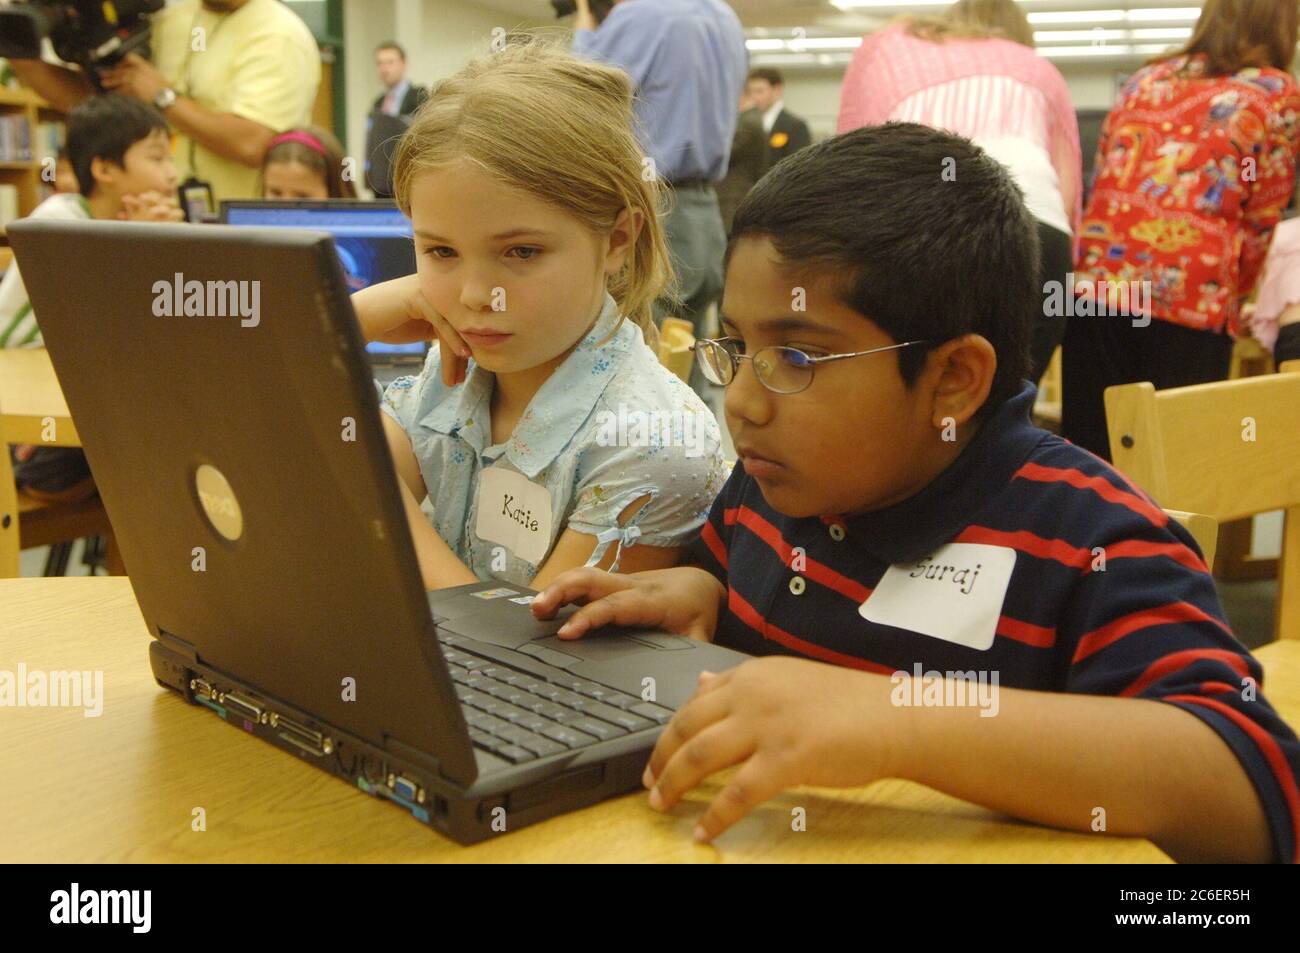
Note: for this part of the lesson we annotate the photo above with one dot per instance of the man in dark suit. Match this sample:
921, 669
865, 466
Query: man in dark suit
786, 132
400, 97
389, 116
748, 160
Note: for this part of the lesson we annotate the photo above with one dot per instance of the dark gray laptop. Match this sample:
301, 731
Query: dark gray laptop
217, 378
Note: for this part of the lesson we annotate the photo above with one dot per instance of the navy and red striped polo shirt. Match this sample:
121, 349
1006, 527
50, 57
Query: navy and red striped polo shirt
1144, 622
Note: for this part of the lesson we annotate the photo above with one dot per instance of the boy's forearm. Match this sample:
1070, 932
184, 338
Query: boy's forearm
711, 592
718, 601
1156, 770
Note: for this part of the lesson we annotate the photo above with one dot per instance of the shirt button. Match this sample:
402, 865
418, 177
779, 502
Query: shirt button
797, 585
837, 532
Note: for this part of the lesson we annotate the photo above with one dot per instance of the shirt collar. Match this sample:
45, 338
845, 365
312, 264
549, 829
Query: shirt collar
561, 405
931, 517
769, 117
464, 411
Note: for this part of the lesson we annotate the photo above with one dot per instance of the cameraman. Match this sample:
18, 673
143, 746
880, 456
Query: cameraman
688, 63
227, 74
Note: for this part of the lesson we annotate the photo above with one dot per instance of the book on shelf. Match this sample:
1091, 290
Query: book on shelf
15, 138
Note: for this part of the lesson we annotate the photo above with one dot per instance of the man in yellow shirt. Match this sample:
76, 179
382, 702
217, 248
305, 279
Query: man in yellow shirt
227, 74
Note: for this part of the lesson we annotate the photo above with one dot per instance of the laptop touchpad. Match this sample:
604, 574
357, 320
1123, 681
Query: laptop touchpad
509, 630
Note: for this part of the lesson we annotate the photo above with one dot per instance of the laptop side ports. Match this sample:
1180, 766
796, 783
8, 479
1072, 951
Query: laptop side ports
245, 706
300, 736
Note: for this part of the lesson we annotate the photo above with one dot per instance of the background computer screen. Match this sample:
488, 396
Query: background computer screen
374, 242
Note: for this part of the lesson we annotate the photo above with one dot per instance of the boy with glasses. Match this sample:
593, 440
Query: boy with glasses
945, 592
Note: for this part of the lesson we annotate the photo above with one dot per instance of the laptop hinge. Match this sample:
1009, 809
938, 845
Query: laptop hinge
417, 757
176, 644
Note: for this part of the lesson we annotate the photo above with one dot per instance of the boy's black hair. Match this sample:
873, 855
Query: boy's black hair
104, 127
930, 234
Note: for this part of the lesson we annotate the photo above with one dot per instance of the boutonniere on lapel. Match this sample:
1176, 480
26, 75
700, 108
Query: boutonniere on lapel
778, 139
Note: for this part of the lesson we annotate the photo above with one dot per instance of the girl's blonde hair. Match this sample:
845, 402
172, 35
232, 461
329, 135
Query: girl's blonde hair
975, 20
560, 128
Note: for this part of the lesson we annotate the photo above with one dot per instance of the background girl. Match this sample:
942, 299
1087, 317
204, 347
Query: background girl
305, 163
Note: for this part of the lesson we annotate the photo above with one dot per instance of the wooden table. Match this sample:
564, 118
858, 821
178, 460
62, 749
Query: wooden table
32, 408
123, 786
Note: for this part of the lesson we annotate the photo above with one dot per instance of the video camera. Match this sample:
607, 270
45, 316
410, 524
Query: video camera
599, 8
94, 34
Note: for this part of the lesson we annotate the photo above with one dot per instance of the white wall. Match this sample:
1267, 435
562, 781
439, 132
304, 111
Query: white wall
366, 23
1093, 86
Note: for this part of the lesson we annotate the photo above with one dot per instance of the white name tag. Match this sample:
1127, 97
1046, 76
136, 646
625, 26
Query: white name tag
515, 512
955, 594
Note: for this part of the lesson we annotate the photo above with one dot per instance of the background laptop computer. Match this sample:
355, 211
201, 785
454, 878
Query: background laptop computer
244, 469
374, 242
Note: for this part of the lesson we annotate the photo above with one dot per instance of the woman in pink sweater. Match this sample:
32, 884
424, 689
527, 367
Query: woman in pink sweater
973, 71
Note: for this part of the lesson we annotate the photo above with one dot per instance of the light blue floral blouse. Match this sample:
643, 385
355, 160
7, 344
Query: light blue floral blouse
611, 425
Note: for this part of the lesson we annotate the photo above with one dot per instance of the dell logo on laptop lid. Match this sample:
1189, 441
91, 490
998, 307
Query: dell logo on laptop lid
218, 502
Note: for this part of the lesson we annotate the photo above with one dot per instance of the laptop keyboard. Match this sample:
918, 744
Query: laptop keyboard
521, 716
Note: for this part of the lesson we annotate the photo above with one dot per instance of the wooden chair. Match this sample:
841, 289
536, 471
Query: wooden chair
1236, 538
1204, 529
1249, 359
9, 545
1227, 450
675, 339
1047, 406
26, 523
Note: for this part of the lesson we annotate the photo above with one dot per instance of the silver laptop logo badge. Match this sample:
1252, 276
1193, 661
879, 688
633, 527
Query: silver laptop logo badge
218, 502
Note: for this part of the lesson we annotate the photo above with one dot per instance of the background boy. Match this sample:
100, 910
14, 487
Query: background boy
120, 152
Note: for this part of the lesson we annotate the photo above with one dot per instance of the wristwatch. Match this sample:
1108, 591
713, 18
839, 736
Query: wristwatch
165, 99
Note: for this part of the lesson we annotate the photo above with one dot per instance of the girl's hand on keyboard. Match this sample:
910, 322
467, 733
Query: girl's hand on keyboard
682, 600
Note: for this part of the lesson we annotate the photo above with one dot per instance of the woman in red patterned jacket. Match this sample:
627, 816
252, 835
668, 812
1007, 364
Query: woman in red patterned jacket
1194, 166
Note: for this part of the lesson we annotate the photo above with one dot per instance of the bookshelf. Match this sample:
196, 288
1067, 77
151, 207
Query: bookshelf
30, 131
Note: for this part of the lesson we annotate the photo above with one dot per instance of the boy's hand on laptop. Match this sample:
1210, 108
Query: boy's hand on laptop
683, 600
786, 722
151, 207
396, 312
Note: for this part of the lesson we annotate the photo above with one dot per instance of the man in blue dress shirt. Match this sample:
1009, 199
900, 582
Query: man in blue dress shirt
688, 62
